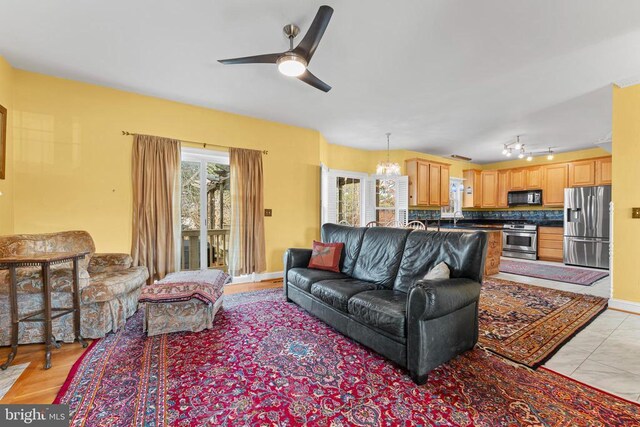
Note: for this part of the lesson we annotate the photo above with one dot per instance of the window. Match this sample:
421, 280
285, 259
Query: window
355, 199
456, 192
349, 196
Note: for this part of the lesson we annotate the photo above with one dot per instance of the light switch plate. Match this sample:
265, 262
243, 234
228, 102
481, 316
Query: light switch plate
268, 212
635, 212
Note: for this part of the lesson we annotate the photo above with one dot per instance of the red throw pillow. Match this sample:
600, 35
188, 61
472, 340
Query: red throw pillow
326, 256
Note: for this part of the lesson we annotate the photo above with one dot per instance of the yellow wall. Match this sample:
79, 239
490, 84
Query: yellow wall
72, 165
626, 192
557, 158
6, 185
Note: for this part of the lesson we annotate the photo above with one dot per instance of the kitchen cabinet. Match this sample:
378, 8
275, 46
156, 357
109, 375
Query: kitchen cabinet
428, 183
582, 173
472, 197
603, 171
434, 185
444, 186
503, 188
550, 243
533, 178
555, 181
517, 179
489, 193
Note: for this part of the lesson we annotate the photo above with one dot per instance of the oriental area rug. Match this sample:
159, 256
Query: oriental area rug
528, 324
268, 362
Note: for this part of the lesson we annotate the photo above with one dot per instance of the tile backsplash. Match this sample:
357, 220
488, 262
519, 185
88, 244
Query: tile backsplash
530, 215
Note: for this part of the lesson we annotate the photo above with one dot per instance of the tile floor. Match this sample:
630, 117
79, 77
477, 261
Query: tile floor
606, 354
10, 376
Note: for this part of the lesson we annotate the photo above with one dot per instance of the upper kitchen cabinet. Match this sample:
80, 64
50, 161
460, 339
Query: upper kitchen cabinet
533, 178
503, 188
428, 183
434, 185
555, 181
489, 194
472, 197
603, 171
582, 173
444, 185
517, 179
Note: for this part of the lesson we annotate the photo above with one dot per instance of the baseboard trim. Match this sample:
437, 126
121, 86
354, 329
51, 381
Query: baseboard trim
251, 278
623, 305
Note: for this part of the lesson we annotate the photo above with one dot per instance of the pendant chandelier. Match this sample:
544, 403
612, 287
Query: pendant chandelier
388, 168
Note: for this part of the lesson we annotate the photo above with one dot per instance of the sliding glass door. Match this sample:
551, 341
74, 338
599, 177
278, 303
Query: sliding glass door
205, 210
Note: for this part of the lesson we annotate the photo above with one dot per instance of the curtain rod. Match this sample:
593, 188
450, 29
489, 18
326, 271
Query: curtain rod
204, 144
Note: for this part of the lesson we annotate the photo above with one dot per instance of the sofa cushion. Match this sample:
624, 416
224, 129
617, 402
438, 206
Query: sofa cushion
109, 285
101, 263
462, 252
352, 239
303, 278
383, 309
380, 255
29, 279
337, 293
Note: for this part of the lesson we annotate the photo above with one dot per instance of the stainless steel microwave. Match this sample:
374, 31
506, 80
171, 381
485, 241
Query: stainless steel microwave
524, 198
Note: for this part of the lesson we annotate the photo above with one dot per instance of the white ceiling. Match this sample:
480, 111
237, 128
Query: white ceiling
444, 76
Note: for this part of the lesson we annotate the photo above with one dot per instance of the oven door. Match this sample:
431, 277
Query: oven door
519, 241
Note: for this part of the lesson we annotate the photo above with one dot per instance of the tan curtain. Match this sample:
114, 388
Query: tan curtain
247, 221
155, 169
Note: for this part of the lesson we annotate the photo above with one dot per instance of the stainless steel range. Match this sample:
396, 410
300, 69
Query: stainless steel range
520, 241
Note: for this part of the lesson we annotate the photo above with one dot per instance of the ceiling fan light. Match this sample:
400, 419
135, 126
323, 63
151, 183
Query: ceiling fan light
517, 146
291, 65
549, 156
504, 152
521, 156
529, 158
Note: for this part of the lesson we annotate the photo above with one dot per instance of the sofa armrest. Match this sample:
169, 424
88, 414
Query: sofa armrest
430, 299
101, 263
294, 258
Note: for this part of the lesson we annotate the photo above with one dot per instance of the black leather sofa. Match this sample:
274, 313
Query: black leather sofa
380, 299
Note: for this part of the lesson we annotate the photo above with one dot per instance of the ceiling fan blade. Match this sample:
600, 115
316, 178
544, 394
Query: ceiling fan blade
312, 80
269, 58
311, 40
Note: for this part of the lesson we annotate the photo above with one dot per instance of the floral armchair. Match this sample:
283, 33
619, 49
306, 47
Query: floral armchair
109, 287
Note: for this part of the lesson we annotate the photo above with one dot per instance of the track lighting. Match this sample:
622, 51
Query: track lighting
529, 157
550, 154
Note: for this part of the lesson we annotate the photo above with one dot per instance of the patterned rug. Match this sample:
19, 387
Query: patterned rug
528, 324
574, 275
268, 362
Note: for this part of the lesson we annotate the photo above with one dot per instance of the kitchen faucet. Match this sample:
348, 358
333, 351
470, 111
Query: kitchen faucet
455, 219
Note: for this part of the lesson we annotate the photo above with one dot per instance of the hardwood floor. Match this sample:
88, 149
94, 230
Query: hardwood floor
37, 385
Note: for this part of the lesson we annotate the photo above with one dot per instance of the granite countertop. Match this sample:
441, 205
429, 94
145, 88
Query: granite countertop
468, 223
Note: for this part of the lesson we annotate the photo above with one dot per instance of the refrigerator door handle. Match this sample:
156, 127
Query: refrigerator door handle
595, 240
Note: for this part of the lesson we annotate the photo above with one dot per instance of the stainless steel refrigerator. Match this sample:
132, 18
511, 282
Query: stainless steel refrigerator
586, 226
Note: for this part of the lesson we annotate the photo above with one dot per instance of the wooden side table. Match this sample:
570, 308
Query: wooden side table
45, 261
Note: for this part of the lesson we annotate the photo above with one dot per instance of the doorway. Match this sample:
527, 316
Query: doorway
205, 210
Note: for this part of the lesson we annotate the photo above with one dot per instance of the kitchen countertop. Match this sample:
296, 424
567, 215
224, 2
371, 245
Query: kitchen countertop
482, 224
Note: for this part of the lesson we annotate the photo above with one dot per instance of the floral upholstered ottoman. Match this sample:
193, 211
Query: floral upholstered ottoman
183, 301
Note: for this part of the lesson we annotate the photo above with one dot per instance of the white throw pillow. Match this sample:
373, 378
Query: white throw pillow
440, 271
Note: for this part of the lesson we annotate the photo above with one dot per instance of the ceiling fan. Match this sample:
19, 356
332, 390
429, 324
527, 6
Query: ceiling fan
294, 62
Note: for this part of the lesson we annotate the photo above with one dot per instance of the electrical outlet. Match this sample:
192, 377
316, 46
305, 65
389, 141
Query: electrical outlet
268, 212
635, 212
